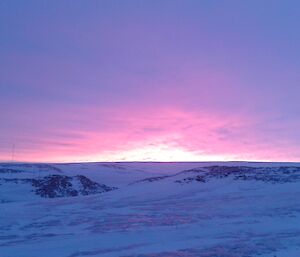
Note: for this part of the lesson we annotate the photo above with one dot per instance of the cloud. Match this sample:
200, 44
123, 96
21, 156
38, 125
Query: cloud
161, 134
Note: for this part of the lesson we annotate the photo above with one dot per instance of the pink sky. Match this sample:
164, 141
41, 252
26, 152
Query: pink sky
149, 81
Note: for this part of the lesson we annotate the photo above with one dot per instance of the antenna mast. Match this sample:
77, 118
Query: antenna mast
13, 153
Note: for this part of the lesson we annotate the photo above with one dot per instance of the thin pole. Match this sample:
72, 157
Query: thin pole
13, 153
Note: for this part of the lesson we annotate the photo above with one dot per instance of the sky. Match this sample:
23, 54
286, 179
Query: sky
151, 80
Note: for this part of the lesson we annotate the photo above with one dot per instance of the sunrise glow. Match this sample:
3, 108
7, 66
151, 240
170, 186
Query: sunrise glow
170, 82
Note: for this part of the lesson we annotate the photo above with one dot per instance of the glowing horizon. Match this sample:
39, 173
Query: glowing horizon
148, 81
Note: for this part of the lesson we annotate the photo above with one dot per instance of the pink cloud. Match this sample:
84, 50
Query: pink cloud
161, 134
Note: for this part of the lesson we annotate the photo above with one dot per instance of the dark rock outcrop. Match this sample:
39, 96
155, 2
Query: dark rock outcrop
62, 186
274, 175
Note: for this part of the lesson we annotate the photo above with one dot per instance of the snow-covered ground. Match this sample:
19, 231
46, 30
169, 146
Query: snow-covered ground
231, 209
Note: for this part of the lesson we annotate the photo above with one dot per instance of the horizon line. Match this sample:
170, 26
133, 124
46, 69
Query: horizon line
80, 162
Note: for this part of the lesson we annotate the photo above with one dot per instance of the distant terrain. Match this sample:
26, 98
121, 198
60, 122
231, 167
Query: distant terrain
212, 209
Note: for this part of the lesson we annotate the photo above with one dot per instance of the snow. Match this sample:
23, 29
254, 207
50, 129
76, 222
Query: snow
225, 216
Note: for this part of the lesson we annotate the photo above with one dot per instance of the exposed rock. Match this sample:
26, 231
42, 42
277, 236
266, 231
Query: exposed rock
283, 174
63, 186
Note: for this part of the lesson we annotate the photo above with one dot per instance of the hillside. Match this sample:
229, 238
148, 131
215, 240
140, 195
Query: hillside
150, 209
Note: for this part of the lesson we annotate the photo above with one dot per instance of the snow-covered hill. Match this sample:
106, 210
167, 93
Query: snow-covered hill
232, 209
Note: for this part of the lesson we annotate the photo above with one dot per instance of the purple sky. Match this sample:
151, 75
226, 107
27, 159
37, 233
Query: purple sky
150, 80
